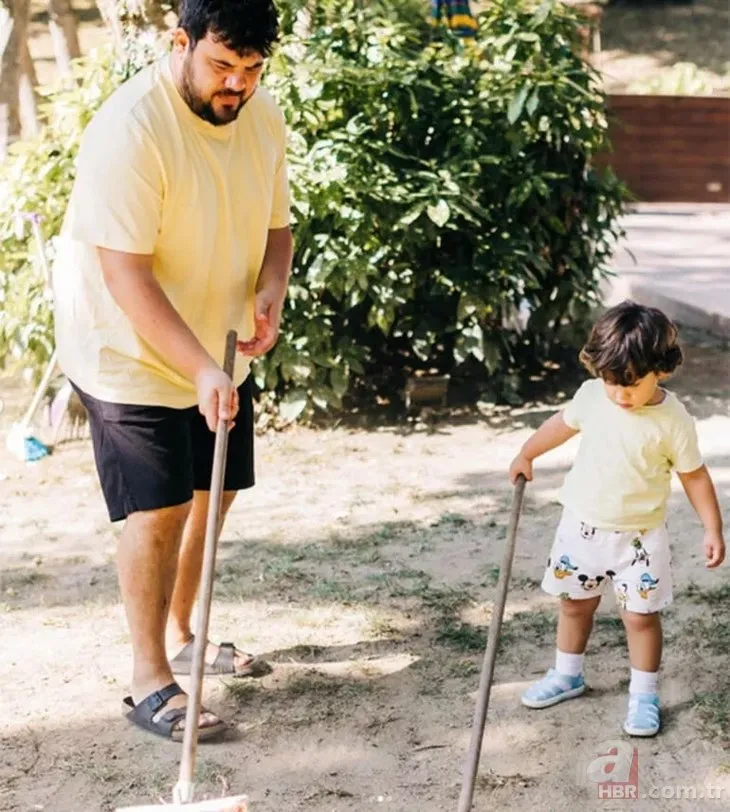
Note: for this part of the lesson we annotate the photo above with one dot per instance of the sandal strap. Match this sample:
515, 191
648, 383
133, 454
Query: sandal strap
643, 710
170, 720
185, 655
224, 662
145, 711
143, 714
154, 702
551, 685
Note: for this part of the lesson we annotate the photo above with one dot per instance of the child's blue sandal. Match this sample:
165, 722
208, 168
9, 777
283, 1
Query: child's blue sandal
643, 717
553, 688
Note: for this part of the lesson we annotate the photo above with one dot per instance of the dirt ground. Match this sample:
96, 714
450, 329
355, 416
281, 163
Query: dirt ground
363, 567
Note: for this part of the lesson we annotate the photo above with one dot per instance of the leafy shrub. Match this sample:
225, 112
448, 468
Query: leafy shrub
446, 212
37, 179
439, 191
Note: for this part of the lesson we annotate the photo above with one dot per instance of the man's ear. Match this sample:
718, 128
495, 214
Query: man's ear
180, 40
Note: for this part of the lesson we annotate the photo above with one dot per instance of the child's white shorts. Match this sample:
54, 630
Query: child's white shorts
585, 561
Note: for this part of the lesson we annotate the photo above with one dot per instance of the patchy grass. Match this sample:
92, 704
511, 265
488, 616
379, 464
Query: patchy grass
462, 669
492, 781
608, 631
491, 579
492, 576
710, 632
451, 521
445, 601
460, 635
532, 626
333, 591
12, 580
381, 628
211, 774
315, 686
716, 596
713, 708
242, 691
284, 569
390, 531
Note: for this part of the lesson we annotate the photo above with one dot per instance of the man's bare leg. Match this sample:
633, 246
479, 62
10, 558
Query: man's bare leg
147, 562
190, 564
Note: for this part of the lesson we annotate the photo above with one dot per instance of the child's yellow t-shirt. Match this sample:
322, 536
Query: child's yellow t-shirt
621, 477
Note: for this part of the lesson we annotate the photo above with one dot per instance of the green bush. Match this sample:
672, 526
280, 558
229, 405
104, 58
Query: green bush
439, 190
446, 212
37, 179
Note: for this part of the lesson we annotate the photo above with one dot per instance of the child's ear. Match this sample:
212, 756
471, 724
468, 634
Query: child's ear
663, 376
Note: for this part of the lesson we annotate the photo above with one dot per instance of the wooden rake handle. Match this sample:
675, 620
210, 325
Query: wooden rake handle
185, 786
490, 656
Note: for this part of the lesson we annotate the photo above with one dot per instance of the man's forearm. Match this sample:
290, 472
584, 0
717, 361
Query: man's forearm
276, 267
134, 288
701, 494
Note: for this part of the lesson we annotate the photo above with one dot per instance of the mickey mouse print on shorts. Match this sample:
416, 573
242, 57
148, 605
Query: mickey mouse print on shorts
586, 561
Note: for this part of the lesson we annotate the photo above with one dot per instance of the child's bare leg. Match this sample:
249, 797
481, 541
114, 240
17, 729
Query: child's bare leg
644, 634
575, 623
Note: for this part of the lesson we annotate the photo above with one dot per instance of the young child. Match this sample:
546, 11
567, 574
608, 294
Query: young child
612, 533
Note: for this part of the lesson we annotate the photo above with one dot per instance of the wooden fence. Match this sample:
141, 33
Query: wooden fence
672, 148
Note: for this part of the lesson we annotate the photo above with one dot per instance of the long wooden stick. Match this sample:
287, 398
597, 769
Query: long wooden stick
185, 785
490, 656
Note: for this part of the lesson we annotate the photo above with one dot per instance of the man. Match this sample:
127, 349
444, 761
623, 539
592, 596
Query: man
177, 231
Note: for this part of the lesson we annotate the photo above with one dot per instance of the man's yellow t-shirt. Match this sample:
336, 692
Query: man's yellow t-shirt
154, 178
621, 477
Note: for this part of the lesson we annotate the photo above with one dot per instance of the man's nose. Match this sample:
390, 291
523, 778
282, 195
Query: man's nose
235, 83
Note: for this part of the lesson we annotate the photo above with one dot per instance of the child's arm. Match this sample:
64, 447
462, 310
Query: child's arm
553, 432
701, 493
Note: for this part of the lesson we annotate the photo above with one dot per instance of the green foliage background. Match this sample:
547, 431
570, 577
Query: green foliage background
447, 213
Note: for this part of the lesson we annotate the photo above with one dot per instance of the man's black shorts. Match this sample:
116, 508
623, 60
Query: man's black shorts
151, 457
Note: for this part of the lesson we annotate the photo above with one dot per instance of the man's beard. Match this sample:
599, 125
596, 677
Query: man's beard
204, 109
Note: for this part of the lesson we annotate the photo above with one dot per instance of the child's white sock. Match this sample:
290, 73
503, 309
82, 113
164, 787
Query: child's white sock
569, 664
643, 682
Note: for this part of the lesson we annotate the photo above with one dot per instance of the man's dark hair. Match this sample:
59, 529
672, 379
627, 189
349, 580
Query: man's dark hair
629, 341
241, 25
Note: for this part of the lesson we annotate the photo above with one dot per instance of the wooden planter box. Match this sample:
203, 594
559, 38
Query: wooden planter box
426, 390
671, 148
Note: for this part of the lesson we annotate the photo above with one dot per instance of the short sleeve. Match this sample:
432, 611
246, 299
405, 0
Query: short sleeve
685, 454
575, 412
280, 205
117, 197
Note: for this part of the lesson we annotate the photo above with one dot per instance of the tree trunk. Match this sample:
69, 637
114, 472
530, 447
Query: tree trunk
27, 96
64, 33
13, 31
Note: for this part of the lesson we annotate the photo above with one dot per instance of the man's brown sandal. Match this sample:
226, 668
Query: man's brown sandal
223, 665
169, 724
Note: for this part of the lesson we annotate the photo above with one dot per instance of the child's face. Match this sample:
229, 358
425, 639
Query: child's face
644, 392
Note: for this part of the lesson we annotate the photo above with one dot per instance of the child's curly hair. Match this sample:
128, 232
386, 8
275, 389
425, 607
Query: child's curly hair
628, 342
